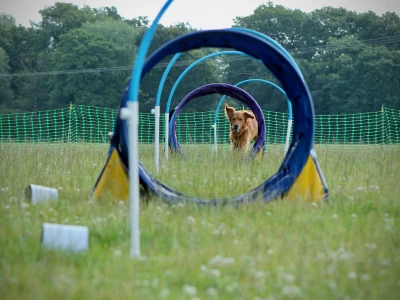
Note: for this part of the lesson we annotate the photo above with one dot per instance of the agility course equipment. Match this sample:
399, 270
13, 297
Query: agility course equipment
131, 114
290, 115
171, 94
224, 89
299, 152
299, 175
156, 110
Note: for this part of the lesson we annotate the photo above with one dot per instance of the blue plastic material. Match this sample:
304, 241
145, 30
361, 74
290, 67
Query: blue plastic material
141, 55
256, 80
292, 82
164, 77
167, 108
223, 89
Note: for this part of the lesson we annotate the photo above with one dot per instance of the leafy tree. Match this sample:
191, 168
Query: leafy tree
5, 90
361, 78
139, 22
100, 45
282, 24
7, 19
59, 19
350, 61
23, 57
62, 17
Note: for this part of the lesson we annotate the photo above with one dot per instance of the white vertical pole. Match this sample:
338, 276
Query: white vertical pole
157, 138
69, 122
166, 135
214, 126
131, 114
289, 127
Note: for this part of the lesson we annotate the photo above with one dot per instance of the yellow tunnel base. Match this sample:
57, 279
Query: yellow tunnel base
113, 182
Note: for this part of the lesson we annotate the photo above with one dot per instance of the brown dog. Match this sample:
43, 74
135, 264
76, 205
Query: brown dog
243, 127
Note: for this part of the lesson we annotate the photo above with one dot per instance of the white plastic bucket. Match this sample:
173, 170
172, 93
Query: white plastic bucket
38, 193
65, 237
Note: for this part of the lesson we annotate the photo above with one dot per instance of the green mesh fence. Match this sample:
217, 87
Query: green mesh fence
81, 123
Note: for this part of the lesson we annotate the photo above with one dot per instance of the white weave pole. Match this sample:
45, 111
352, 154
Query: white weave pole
131, 115
166, 135
156, 112
214, 126
289, 127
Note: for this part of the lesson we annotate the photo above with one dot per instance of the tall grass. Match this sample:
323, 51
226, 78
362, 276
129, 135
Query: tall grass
348, 248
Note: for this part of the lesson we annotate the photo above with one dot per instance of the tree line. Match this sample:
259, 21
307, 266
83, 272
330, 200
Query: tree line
350, 61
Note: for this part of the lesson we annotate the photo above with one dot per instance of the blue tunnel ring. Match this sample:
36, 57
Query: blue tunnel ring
292, 82
228, 90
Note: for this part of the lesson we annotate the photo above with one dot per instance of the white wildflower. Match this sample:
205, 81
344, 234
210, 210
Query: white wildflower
215, 272
164, 292
370, 246
190, 290
365, 277
288, 277
291, 291
332, 285
191, 220
154, 282
232, 287
211, 292
385, 262
221, 261
217, 232
352, 275
259, 274
203, 268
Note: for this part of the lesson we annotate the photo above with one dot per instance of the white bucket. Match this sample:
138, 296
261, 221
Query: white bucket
38, 193
65, 237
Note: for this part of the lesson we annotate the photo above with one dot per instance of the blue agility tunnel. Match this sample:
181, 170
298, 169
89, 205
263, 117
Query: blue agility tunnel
299, 175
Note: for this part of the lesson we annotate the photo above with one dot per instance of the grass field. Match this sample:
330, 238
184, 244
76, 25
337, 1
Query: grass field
348, 248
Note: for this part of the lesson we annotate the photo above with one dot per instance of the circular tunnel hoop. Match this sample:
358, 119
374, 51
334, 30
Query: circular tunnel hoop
256, 80
292, 82
228, 90
289, 104
190, 67
164, 77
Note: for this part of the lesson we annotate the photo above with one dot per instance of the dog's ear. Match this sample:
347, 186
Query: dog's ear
229, 110
248, 115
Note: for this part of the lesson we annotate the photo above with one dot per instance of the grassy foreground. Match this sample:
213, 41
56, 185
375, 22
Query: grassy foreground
348, 248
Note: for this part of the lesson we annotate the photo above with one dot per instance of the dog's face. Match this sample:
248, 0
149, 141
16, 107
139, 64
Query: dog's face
237, 119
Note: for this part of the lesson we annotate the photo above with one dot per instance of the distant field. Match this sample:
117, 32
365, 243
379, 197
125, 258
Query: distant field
348, 248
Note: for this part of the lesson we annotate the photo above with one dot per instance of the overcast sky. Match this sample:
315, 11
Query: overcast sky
205, 14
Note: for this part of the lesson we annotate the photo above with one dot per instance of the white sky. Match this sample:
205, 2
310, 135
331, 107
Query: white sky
205, 14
